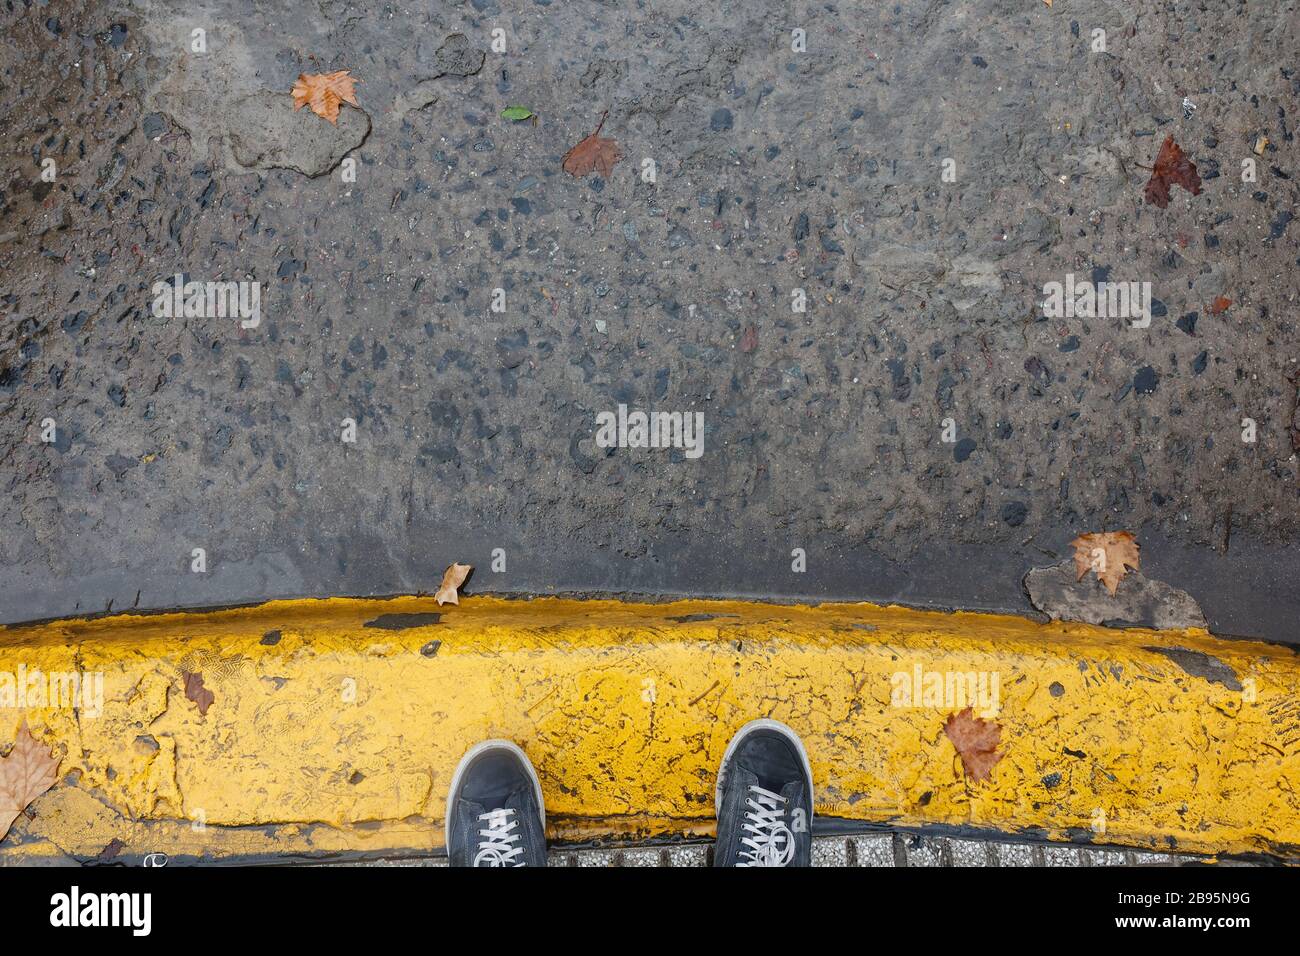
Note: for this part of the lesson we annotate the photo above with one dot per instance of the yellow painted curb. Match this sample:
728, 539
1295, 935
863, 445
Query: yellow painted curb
335, 725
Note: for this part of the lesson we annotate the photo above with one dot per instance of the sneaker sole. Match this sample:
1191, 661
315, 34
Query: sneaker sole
763, 723
465, 762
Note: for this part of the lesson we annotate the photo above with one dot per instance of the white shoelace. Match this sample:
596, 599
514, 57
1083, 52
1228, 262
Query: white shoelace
771, 843
498, 845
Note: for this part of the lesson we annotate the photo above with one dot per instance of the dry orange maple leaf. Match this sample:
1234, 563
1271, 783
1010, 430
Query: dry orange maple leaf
1107, 553
324, 92
452, 578
976, 741
30, 769
595, 152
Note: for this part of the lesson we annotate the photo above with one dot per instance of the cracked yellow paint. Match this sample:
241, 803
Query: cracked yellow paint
328, 736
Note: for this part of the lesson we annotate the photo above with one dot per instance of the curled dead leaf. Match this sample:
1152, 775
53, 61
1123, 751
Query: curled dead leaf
976, 741
452, 578
1109, 554
324, 93
594, 152
27, 772
195, 691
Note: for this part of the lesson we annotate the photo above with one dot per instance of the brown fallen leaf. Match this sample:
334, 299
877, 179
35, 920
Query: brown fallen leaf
110, 852
976, 741
452, 578
195, 691
324, 92
1219, 305
1107, 553
1172, 168
749, 340
30, 769
594, 152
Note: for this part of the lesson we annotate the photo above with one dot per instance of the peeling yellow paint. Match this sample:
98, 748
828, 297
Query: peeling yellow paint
327, 736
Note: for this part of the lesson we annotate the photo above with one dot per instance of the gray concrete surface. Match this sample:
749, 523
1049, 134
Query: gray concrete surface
777, 170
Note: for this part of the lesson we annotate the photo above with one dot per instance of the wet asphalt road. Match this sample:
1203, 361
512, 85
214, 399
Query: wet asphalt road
783, 176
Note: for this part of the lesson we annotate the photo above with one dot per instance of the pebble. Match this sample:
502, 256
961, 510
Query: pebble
1014, 512
1146, 380
154, 125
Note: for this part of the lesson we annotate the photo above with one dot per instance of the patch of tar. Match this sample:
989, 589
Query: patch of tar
400, 622
1200, 664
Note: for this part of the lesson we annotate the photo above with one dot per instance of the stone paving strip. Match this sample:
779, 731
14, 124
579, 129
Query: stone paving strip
872, 850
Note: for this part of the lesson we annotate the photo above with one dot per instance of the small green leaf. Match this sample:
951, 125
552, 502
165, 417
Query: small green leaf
517, 113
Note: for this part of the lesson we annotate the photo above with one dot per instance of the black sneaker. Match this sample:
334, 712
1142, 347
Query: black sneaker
495, 815
764, 799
